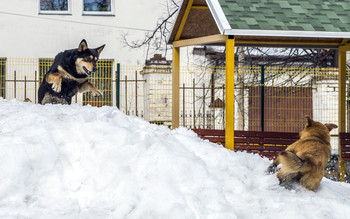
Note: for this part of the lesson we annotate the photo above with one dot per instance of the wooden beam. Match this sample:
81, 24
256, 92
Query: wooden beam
286, 43
341, 108
212, 39
344, 48
184, 19
229, 98
200, 7
176, 88
221, 39
344, 42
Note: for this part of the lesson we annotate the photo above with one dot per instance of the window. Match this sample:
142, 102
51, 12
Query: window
54, 6
98, 7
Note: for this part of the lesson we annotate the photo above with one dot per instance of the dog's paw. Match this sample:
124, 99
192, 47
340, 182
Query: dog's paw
56, 87
272, 169
97, 93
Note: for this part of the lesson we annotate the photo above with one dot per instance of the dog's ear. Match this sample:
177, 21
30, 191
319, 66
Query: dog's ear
99, 49
82, 46
308, 120
330, 126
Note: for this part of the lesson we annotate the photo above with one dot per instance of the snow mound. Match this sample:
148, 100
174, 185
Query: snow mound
86, 162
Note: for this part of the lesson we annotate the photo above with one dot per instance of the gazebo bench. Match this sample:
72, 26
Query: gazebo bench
345, 146
266, 144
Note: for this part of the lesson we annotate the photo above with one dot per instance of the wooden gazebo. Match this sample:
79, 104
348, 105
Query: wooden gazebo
270, 23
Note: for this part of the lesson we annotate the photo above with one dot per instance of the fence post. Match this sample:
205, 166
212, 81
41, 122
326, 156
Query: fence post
183, 105
194, 103
117, 85
3, 77
203, 106
262, 97
15, 83
25, 87
136, 93
126, 95
35, 85
223, 107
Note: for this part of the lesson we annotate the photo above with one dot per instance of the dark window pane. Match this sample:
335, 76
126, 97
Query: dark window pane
97, 5
54, 5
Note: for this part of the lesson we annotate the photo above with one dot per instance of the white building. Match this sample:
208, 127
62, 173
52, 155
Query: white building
34, 31
42, 28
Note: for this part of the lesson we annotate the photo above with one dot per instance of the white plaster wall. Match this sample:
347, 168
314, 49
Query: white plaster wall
36, 35
325, 106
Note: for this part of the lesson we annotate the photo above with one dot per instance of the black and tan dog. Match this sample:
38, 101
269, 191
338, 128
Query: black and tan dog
304, 161
69, 74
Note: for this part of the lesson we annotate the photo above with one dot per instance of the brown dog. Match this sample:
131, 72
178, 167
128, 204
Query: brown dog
304, 161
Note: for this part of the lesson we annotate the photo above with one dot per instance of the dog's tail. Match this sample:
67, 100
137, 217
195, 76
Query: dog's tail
292, 163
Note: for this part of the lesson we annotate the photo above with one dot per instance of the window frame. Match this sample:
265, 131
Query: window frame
98, 13
53, 12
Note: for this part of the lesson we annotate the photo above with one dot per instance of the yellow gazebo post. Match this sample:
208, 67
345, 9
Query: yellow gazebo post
230, 94
341, 106
176, 88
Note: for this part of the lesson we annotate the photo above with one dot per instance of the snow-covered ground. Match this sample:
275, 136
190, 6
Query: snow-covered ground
85, 162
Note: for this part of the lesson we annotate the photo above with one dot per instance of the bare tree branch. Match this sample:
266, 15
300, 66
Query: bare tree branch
157, 39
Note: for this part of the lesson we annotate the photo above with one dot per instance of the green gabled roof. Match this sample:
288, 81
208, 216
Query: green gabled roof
288, 15
271, 22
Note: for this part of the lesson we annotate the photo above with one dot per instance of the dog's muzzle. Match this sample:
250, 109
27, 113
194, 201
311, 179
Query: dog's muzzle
94, 69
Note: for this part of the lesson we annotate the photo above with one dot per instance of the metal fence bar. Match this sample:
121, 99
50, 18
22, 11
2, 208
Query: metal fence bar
35, 86
183, 106
194, 103
117, 82
203, 96
136, 93
126, 95
15, 84
262, 97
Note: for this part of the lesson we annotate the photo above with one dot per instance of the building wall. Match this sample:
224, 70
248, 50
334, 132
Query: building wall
325, 104
26, 33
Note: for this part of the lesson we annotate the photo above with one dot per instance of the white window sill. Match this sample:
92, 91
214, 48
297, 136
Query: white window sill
55, 13
97, 13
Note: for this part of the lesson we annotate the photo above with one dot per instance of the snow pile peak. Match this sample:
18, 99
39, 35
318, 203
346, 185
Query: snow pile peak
86, 162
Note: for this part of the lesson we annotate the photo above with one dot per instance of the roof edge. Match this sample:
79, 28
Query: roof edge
284, 33
218, 15
168, 39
